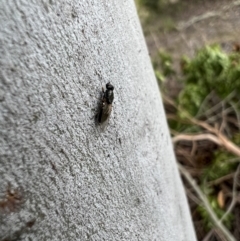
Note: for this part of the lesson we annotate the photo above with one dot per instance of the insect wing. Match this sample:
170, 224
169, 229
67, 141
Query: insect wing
105, 107
104, 115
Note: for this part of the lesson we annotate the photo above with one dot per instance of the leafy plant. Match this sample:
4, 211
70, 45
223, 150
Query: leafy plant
219, 167
211, 70
219, 212
163, 66
152, 5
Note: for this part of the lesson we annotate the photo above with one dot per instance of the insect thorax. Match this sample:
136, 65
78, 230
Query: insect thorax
109, 96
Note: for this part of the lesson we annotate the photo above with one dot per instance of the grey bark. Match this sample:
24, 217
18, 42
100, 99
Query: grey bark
61, 177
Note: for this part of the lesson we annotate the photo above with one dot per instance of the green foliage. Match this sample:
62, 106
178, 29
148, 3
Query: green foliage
219, 167
208, 224
163, 66
210, 70
160, 77
236, 139
166, 63
152, 5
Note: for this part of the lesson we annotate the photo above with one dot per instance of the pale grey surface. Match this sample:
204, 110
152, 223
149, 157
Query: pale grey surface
121, 184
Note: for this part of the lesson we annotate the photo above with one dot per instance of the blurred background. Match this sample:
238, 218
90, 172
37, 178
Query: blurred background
195, 50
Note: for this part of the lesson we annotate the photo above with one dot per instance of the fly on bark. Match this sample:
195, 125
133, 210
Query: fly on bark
105, 107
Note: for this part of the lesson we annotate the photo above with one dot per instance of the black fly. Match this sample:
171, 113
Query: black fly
105, 108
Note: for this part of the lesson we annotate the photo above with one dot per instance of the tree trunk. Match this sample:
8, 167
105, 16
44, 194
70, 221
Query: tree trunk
62, 176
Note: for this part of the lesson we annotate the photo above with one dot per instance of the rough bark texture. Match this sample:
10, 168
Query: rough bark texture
62, 178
